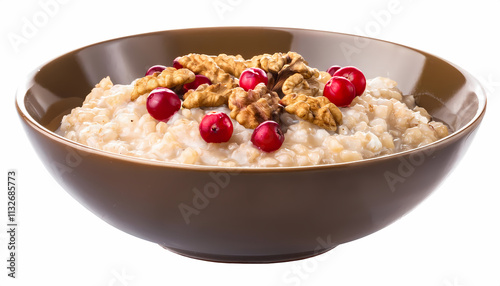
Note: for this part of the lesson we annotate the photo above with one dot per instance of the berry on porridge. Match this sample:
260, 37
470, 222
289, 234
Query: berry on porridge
198, 80
268, 136
251, 77
176, 63
340, 91
355, 76
155, 69
216, 127
162, 103
331, 70
269, 110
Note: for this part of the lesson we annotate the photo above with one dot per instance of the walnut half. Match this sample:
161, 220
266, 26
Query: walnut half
317, 110
296, 83
269, 63
250, 108
205, 65
233, 65
207, 96
169, 77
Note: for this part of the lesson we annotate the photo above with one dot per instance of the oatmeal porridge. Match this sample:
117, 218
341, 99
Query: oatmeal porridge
271, 110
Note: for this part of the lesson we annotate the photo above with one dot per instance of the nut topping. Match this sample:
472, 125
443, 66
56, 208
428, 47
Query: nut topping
255, 106
298, 84
297, 64
290, 63
233, 65
168, 78
289, 77
205, 65
270, 63
207, 96
317, 110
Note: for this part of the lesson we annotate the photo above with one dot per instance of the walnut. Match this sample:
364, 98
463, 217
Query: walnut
169, 78
298, 84
233, 65
317, 110
207, 96
270, 63
255, 106
297, 64
294, 64
278, 62
205, 65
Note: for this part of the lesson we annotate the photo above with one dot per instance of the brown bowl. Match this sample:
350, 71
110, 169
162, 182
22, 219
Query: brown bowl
248, 214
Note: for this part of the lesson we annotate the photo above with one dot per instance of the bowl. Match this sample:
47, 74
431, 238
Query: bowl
249, 215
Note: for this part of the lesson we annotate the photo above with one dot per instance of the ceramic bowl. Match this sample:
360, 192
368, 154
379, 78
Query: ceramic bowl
248, 214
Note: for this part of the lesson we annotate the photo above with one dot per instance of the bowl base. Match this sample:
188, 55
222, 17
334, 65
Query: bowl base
247, 258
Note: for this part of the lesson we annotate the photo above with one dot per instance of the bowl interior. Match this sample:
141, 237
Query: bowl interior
447, 92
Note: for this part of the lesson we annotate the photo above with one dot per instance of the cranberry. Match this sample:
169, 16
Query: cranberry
176, 63
251, 77
156, 68
355, 76
331, 70
216, 127
162, 103
340, 91
198, 80
268, 136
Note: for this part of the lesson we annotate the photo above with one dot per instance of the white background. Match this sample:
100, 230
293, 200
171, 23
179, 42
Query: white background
451, 239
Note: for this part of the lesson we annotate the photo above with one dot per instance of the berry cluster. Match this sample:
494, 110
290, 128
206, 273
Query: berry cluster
346, 83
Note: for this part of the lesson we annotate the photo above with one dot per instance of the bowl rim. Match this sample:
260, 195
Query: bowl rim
22, 89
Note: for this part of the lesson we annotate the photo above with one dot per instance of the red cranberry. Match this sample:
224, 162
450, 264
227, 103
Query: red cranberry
216, 127
331, 70
251, 77
198, 80
162, 103
268, 136
355, 76
340, 91
176, 63
156, 68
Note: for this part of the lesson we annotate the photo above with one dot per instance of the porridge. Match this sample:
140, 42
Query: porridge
271, 110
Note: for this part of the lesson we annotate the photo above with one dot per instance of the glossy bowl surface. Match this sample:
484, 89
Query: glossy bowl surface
248, 214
